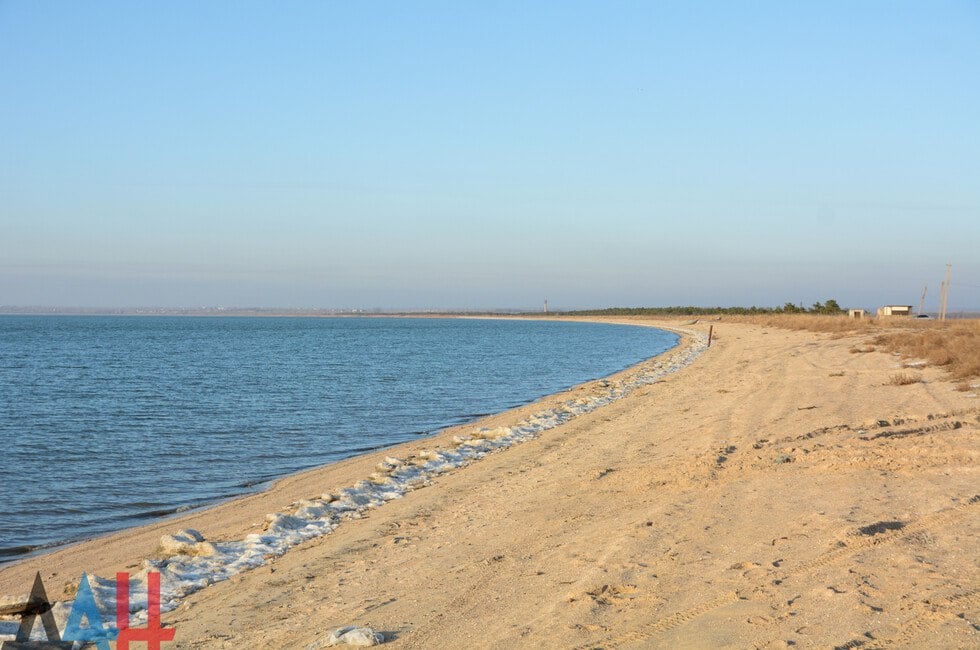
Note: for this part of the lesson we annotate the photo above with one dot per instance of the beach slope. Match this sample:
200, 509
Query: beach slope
781, 490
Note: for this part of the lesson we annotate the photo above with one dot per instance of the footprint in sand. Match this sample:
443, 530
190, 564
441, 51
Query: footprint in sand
750, 570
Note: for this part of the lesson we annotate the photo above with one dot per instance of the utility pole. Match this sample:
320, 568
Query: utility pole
944, 294
923, 301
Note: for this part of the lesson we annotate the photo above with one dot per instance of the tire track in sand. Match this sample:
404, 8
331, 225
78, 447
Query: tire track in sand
924, 524
677, 619
927, 615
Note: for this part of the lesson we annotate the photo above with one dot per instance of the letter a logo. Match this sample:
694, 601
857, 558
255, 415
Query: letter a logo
85, 607
38, 605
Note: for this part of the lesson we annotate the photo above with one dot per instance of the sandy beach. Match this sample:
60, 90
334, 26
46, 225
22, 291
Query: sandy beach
780, 490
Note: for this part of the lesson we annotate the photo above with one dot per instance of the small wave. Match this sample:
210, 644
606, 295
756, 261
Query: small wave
11, 553
252, 482
14, 551
360, 450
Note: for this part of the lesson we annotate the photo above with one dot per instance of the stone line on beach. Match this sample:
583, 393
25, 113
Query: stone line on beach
192, 563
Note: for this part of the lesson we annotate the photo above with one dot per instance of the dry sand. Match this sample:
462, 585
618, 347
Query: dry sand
779, 491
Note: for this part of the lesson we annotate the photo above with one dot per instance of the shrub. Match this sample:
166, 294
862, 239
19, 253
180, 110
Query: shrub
903, 379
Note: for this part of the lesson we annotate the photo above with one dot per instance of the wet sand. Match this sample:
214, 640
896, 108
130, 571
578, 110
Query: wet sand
778, 491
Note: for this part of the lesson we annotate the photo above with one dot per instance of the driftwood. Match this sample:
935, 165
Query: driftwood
16, 609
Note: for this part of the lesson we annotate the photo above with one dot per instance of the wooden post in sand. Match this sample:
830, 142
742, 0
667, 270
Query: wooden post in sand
711, 329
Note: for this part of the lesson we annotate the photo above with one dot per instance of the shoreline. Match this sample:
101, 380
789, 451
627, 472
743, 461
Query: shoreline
781, 491
87, 554
179, 510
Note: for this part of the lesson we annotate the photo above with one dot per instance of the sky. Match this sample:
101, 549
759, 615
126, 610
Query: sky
457, 155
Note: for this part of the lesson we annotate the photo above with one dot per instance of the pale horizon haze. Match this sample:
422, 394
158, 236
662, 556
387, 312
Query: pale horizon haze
488, 155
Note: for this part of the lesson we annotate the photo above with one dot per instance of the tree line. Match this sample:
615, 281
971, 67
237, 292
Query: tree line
829, 307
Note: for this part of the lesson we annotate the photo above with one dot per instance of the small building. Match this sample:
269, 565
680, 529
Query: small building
856, 313
895, 310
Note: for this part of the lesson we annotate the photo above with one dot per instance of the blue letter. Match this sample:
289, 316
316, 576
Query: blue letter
84, 606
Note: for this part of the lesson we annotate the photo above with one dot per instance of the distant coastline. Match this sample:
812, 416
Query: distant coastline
247, 311
311, 312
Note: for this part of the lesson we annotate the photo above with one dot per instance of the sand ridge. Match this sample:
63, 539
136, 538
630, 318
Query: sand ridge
778, 491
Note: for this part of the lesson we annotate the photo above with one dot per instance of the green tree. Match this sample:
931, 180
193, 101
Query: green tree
831, 307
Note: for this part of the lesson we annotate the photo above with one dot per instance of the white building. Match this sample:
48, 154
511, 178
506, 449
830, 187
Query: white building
895, 310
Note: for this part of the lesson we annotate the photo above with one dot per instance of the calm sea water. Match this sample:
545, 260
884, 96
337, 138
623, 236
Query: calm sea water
110, 422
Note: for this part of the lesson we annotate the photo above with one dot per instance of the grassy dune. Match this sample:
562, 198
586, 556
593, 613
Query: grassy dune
953, 345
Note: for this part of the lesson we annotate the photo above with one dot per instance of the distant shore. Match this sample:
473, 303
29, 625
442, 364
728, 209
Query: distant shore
249, 311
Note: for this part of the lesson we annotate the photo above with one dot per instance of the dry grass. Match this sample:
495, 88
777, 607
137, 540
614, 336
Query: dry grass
903, 379
953, 345
830, 324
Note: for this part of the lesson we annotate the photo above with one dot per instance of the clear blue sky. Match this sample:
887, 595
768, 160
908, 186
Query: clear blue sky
493, 154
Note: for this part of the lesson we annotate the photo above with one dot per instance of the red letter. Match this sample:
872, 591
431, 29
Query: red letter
153, 634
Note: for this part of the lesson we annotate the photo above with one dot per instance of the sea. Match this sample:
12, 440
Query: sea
109, 422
